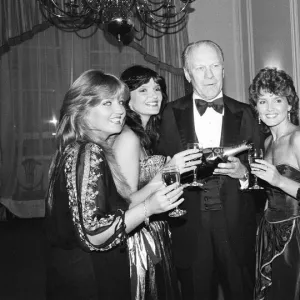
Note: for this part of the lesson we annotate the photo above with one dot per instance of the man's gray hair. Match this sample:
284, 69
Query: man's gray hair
191, 46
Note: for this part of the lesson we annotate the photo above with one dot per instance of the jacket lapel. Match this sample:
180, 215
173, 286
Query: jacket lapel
185, 122
230, 128
231, 125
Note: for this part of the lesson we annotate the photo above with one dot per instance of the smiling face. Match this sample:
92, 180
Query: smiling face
205, 71
272, 109
146, 100
107, 117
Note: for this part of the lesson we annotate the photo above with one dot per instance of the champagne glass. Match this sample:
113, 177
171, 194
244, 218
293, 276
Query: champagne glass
170, 175
198, 146
252, 156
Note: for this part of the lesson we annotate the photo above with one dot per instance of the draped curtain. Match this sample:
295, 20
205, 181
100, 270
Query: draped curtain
20, 20
37, 67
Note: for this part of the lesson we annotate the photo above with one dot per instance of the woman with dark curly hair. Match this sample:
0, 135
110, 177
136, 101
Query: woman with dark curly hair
144, 124
152, 271
273, 96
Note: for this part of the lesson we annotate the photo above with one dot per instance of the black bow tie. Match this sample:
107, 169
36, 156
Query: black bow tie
202, 105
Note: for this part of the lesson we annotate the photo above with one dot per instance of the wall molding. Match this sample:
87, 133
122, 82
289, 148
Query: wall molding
295, 43
250, 38
238, 50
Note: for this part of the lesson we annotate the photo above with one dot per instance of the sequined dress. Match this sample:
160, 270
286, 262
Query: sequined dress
151, 268
278, 245
82, 200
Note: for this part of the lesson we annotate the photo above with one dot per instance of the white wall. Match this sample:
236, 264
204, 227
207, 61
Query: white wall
253, 34
220, 21
272, 34
275, 36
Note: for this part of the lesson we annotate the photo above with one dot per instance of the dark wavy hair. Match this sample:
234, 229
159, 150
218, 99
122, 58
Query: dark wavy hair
276, 82
134, 77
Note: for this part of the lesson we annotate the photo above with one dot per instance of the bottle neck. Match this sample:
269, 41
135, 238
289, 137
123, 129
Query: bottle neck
232, 151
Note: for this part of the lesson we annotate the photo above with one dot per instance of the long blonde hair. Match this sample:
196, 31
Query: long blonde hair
86, 92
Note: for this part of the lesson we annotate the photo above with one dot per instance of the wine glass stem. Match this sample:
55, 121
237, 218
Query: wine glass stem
195, 175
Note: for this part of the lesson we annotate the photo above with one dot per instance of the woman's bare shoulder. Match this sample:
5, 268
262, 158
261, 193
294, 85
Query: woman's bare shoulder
295, 137
127, 136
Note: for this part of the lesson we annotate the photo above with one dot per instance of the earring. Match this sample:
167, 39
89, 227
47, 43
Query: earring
259, 120
289, 115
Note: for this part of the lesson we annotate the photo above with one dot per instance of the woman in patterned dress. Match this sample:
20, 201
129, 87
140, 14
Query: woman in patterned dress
152, 272
273, 95
87, 222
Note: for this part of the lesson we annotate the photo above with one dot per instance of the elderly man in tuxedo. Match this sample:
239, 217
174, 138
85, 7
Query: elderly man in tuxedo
214, 243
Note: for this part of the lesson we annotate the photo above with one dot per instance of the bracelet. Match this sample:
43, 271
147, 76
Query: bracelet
146, 220
298, 195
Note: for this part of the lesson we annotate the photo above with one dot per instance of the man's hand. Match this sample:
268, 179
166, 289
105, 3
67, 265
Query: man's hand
233, 168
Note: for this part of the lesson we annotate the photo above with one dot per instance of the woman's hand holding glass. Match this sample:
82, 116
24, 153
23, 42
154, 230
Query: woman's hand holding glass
165, 199
186, 160
171, 175
199, 148
253, 156
266, 171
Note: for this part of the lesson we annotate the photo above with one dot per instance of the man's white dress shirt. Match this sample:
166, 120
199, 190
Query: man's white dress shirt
211, 121
208, 128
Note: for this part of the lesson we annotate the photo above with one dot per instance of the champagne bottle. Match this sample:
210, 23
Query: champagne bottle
215, 155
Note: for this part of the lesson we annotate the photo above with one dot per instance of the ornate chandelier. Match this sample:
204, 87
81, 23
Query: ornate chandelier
124, 19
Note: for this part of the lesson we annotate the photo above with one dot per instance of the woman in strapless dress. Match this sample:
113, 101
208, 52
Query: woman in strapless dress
152, 272
273, 95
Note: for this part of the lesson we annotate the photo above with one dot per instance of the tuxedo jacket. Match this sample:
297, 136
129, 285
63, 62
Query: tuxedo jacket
177, 129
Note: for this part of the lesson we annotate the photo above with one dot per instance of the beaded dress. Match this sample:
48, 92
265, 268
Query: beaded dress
151, 267
278, 244
82, 200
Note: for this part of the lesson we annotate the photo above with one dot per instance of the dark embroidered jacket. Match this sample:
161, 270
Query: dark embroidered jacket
82, 200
